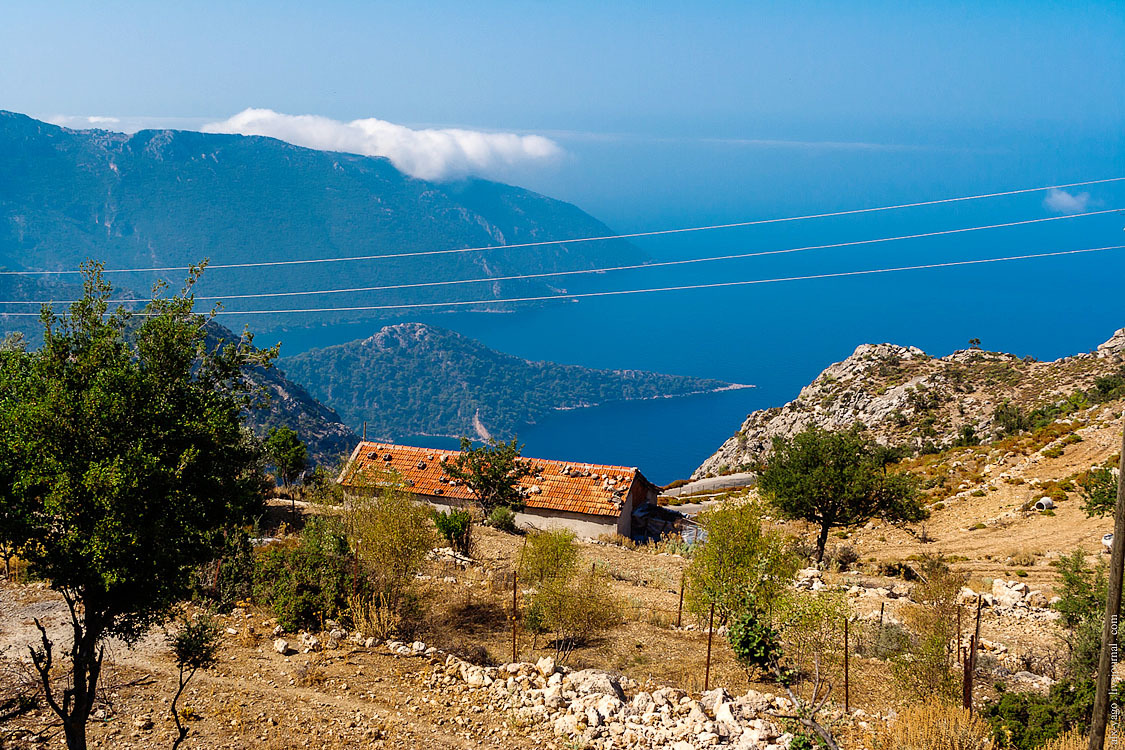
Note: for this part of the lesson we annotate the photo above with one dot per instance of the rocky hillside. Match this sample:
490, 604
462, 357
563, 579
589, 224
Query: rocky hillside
907, 398
415, 379
291, 405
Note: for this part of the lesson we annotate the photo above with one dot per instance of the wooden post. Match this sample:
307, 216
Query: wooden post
680, 611
971, 663
710, 633
847, 686
967, 679
881, 605
365, 430
514, 605
1108, 657
960, 649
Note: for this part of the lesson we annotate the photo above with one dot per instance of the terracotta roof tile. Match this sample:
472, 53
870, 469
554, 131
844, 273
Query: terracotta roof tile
590, 489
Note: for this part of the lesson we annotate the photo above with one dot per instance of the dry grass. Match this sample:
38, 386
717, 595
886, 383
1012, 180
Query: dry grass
935, 726
1072, 740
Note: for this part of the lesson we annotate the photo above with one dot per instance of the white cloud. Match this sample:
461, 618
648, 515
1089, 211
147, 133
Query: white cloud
1063, 202
429, 153
82, 121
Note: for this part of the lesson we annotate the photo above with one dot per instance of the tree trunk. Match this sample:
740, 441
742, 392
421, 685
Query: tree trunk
75, 732
821, 540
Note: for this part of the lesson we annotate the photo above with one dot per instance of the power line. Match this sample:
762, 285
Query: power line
618, 292
606, 269
541, 243
714, 285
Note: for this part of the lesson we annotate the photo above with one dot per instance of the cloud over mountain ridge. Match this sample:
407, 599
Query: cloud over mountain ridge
429, 153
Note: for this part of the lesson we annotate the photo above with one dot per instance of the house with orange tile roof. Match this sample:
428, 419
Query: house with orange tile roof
588, 499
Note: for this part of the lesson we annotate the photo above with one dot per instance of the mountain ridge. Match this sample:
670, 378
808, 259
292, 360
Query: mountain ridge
169, 198
417, 379
907, 398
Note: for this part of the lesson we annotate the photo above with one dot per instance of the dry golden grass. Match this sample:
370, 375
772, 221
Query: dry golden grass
1072, 740
935, 726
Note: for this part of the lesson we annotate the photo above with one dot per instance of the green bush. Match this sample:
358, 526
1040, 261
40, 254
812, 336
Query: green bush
456, 527
548, 555
502, 519
755, 644
306, 583
1027, 720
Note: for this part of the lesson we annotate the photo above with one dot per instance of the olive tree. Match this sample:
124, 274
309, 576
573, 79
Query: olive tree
837, 480
128, 457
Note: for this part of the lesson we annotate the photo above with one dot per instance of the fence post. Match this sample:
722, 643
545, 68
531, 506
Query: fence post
960, 648
881, 605
514, 605
710, 633
680, 611
967, 682
847, 685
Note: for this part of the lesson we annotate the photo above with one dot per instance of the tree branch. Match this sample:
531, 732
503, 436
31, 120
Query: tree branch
42, 661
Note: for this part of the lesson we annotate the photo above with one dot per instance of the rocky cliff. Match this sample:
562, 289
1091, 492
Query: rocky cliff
905, 397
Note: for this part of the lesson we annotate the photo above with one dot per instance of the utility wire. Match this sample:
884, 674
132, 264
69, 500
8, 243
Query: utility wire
632, 235
636, 266
618, 292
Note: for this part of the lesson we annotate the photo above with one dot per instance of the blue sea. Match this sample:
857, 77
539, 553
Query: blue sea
779, 336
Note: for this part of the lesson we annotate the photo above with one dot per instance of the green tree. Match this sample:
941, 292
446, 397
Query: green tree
287, 453
129, 458
492, 471
836, 480
741, 566
1099, 491
14, 513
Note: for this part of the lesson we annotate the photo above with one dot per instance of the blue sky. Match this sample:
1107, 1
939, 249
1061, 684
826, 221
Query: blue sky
659, 68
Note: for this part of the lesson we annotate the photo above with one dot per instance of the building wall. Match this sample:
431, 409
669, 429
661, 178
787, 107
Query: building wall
585, 526
582, 525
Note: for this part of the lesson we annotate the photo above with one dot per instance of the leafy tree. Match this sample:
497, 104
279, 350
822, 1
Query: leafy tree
1099, 489
1028, 720
741, 565
14, 514
835, 480
1082, 594
287, 453
194, 646
974, 343
129, 457
491, 471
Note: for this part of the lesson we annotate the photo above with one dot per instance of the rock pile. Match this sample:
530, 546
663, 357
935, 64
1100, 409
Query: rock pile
590, 707
1014, 599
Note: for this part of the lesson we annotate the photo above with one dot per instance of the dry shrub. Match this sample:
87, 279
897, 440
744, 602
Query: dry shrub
928, 668
1022, 558
310, 674
934, 725
373, 616
1072, 740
